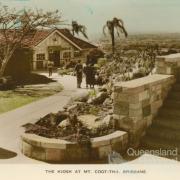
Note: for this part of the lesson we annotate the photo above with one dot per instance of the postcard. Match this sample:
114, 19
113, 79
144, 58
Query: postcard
89, 89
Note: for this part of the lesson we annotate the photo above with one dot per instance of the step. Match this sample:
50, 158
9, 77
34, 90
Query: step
164, 133
170, 103
149, 151
169, 113
173, 124
176, 87
148, 142
147, 147
173, 95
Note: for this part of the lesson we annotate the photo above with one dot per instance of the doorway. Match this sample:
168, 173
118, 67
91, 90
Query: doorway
54, 56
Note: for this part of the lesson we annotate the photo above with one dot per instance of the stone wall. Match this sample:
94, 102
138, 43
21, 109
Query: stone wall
55, 150
137, 102
169, 64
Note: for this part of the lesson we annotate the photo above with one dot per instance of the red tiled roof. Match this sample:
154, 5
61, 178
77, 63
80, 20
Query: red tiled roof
35, 37
30, 40
40, 35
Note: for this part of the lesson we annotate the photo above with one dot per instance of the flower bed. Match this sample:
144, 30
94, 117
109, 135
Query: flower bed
84, 131
61, 151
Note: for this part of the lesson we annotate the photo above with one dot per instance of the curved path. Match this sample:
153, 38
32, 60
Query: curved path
11, 122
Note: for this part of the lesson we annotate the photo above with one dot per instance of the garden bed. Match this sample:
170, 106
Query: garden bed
61, 151
84, 131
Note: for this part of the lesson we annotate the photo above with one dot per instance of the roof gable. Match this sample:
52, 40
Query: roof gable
79, 42
39, 39
41, 35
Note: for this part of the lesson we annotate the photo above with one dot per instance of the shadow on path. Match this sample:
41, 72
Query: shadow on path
6, 154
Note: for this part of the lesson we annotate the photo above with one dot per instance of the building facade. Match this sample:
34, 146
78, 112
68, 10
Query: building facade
59, 46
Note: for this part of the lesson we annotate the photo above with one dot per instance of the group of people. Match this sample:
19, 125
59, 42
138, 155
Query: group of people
89, 71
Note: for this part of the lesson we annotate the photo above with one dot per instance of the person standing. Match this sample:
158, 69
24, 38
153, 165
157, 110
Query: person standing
86, 73
89, 72
50, 67
92, 76
79, 73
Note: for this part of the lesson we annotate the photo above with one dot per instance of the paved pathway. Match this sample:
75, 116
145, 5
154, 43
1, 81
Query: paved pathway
11, 122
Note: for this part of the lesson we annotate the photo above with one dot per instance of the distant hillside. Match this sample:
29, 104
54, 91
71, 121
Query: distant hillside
168, 41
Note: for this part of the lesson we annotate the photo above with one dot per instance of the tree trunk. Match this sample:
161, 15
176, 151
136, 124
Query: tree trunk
113, 40
6, 59
3, 67
4, 63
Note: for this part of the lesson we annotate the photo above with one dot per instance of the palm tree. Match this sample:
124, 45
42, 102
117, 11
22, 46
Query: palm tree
78, 28
115, 24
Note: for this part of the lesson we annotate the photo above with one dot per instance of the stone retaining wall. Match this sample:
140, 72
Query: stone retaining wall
55, 150
169, 64
137, 102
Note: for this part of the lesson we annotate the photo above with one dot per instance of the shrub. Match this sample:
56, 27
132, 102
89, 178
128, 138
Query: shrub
94, 110
92, 93
141, 73
101, 62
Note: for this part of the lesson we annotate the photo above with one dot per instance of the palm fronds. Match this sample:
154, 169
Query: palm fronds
111, 26
78, 28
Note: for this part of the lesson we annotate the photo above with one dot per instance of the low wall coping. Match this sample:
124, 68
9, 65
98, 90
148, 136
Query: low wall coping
106, 140
44, 142
109, 136
148, 80
170, 58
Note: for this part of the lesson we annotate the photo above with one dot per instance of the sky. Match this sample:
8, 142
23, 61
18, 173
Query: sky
139, 16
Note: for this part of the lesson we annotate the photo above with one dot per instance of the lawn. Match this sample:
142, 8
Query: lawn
13, 99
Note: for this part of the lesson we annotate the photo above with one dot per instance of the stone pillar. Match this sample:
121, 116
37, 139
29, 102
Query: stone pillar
34, 65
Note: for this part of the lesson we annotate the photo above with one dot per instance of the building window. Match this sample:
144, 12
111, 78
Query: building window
39, 65
40, 57
66, 55
77, 53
